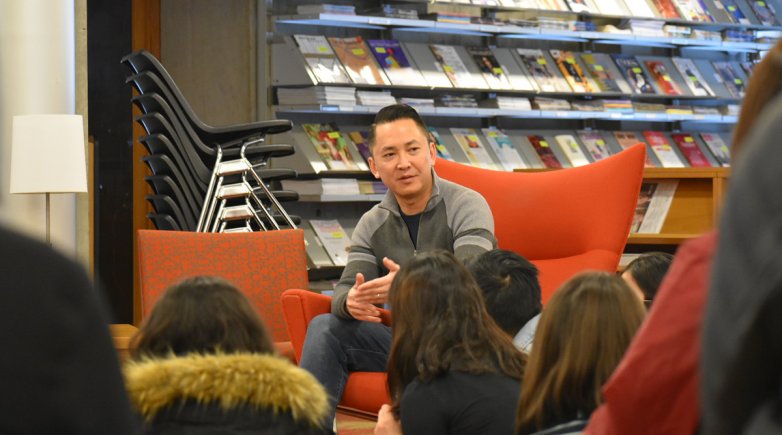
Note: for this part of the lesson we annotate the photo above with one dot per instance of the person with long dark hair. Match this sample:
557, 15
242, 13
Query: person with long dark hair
451, 369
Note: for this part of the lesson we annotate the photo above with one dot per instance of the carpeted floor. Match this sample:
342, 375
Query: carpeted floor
354, 425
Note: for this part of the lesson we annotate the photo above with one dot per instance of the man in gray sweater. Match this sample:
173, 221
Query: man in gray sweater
420, 212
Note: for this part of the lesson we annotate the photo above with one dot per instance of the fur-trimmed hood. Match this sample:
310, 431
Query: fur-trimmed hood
263, 381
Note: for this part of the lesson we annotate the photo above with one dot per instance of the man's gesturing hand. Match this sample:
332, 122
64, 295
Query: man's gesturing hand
363, 295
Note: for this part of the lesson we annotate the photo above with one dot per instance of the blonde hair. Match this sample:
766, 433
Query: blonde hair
584, 331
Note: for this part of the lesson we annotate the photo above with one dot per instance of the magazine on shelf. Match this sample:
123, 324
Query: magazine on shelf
454, 67
599, 66
633, 73
361, 141
518, 78
732, 10
662, 77
612, 7
719, 149
692, 152
691, 10
583, 6
692, 76
357, 60
391, 57
316, 252
439, 145
571, 70
494, 74
552, 5
504, 149
594, 143
331, 146
642, 8
730, 78
334, 239
569, 146
432, 72
764, 11
663, 150
537, 66
473, 147
321, 59
654, 202
544, 151
627, 139
666, 9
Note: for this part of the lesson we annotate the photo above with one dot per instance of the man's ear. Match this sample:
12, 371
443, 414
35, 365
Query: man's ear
432, 151
373, 168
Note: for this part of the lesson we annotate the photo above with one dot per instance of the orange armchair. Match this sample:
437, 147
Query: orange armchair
365, 392
563, 221
261, 264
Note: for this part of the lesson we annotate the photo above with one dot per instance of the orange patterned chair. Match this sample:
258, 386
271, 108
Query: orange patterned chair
564, 221
261, 264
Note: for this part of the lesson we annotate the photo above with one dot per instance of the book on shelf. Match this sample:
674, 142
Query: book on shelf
730, 78
331, 95
494, 74
334, 239
571, 70
552, 5
331, 146
537, 66
371, 187
673, 109
633, 73
326, 8
692, 152
394, 11
473, 147
570, 148
320, 59
439, 145
322, 186
552, 104
662, 77
582, 6
606, 79
691, 10
627, 139
719, 149
732, 10
455, 68
594, 143
449, 100
642, 8
316, 253
357, 60
663, 149
504, 149
654, 202
544, 151
765, 13
612, 7
375, 98
666, 9
618, 106
640, 107
391, 57
692, 77
510, 103
588, 105
361, 140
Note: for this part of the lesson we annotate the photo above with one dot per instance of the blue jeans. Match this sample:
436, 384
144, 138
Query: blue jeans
334, 347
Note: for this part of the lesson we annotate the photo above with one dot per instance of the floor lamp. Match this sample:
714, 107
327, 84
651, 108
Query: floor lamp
47, 156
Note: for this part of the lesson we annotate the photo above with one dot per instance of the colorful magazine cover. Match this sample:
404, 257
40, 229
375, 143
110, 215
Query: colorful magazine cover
663, 150
691, 10
569, 146
537, 66
544, 151
360, 140
690, 149
392, 59
735, 13
730, 78
666, 9
633, 73
494, 74
595, 144
765, 12
504, 149
571, 70
453, 67
662, 77
473, 147
644, 199
442, 151
627, 139
692, 76
719, 149
321, 59
357, 60
597, 66
331, 146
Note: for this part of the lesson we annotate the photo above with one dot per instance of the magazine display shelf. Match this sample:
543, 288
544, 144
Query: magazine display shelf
699, 194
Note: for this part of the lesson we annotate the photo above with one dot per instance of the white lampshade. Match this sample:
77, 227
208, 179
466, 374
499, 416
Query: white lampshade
47, 154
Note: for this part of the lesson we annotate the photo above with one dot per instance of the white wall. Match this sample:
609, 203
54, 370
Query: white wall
37, 75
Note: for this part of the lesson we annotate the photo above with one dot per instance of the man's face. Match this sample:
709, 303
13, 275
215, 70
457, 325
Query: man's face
403, 157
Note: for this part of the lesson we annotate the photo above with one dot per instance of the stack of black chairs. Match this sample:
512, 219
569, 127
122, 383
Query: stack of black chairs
207, 179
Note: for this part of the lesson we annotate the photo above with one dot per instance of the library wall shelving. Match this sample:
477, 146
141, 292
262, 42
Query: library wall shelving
602, 74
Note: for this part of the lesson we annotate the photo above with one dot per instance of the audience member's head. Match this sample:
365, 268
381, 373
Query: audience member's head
510, 287
583, 333
441, 324
645, 273
202, 315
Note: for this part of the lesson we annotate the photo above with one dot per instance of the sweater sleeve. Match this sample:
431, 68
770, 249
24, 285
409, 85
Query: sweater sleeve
472, 223
361, 259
